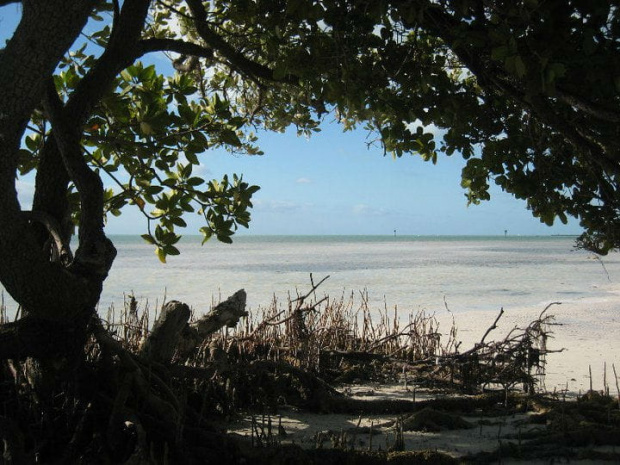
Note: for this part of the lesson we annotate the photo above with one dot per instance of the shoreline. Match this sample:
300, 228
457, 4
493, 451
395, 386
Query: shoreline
585, 335
586, 332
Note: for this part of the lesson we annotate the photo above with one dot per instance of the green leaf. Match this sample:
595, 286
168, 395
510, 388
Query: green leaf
207, 234
171, 250
148, 238
225, 239
178, 221
33, 141
500, 53
192, 158
195, 181
153, 190
161, 254
230, 137
520, 68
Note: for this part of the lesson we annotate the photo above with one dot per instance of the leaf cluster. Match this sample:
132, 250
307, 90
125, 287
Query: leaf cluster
526, 91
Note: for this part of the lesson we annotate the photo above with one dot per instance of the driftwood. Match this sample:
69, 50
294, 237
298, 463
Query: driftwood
518, 358
173, 334
148, 373
163, 340
135, 404
226, 313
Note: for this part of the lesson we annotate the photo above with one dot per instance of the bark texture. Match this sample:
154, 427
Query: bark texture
162, 341
46, 31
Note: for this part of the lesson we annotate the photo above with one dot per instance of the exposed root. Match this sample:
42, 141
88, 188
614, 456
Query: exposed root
140, 395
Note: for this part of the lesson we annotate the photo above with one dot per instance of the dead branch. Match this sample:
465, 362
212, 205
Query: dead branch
492, 327
302, 298
226, 313
164, 338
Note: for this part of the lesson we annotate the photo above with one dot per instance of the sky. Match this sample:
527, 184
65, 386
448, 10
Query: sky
333, 183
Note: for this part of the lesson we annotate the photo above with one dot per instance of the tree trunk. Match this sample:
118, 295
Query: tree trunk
47, 290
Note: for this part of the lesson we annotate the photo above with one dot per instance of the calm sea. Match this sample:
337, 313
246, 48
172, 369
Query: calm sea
411, 272
414, 273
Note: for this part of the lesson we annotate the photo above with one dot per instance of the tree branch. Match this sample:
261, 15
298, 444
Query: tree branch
237, 60
50, 193
493, 79
46, 31
593, 109
172, 45
61, 251
603, 158
122, 51
95, 253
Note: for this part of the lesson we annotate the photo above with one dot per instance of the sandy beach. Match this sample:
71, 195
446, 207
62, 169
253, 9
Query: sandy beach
585, 337
587, 333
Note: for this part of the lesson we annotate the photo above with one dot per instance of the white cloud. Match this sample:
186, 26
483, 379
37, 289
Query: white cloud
367, 210
25, 193
303, 181
202, 170
431, 128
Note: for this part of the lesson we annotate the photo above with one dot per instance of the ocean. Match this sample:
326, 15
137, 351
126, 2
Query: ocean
411, 272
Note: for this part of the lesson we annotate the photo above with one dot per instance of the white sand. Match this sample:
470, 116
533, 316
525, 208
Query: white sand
588, 331
310, 430
315, 430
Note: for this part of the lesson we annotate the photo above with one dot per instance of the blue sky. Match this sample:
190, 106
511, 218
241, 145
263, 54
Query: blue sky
333, 183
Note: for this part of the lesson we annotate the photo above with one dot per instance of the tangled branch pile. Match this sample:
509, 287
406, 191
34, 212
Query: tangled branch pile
155, 394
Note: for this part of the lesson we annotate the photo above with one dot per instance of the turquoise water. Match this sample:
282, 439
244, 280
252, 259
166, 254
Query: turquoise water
413, 272
473, 276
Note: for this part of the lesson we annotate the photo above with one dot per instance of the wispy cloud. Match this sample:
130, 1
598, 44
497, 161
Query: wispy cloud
366, 210
202, 170
280, 205
303, 181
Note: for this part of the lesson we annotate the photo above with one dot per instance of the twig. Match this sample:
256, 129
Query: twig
540, 317
492, 327
617, 386
314, 288
603, 265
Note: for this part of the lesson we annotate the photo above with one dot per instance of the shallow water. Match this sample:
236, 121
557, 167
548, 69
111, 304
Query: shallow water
411, 272
473, 276
469, 273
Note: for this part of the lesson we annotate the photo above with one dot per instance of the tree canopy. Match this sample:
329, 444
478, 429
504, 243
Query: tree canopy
527, 91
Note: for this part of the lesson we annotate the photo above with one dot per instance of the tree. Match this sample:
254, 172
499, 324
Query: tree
526, 90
